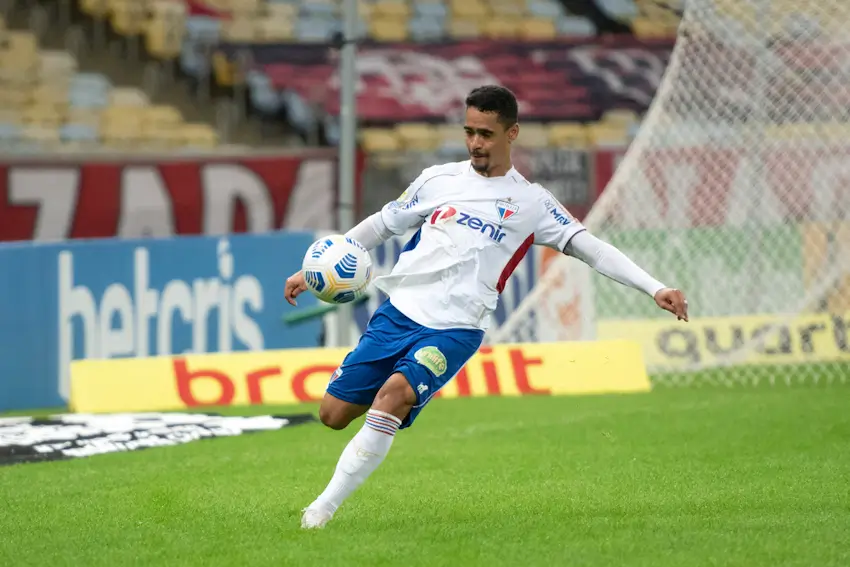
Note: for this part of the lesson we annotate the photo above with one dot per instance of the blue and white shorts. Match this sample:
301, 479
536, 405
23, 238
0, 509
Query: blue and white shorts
428, 358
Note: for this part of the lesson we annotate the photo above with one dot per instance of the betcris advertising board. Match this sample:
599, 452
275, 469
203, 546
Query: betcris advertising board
137, 298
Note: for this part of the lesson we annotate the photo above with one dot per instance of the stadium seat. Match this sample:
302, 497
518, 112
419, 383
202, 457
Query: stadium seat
10, 116
91, 81
282, 11
88, 90
79, 133
159, 138
620, 116
84, 117
794, 131
97, 9
508, 8
417, 137
47, 94
533, 136
247, 8
121, 131
426, 28
397, 10
44, 115
56, 66
128, 17
388, 29
300, 113
199, 136
263, 95
537, 29
501, 28
430, 10
620, 10
161, 116
796, 18
128, 96
450, 137
546, 9
164, 31
568, 135
9, 133
464, 28
469, 9
374, 140
660, 12
274, 30
239, 30
834, 131
19, 58
201, 32
44, 136
575, 26
311, 29
645, 28
12, 98
608, 135
85, 98
318, 9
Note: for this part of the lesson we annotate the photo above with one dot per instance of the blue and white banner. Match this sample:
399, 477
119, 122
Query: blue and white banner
136, 298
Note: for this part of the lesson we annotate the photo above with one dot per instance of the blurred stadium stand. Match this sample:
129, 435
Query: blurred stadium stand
200, 73
189, 75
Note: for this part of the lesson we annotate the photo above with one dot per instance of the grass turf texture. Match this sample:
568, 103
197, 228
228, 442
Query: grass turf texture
677, 477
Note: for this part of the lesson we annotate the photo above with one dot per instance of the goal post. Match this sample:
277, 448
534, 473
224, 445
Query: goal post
736, 189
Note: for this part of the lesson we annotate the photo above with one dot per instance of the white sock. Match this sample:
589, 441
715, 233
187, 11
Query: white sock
360, 457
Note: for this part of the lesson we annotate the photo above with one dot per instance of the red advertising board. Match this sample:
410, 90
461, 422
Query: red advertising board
57, 199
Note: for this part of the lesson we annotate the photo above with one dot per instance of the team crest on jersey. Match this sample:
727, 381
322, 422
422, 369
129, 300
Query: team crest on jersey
506, 209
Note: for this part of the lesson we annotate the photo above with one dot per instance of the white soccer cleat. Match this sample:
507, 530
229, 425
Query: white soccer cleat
316, 516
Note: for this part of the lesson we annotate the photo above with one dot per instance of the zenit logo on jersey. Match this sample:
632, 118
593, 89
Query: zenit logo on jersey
447, 214
506, 209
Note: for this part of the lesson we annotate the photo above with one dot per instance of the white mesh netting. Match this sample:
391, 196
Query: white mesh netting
737, 191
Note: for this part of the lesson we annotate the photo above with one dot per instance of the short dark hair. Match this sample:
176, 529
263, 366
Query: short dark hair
494, 98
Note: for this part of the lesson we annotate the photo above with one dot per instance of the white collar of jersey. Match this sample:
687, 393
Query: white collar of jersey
508, 175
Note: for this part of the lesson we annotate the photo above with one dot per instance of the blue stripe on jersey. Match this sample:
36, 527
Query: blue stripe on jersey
414, 240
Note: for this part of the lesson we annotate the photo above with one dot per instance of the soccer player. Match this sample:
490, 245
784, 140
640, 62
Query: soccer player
476, 220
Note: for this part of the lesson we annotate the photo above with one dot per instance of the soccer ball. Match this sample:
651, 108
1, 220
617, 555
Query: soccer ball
337, 269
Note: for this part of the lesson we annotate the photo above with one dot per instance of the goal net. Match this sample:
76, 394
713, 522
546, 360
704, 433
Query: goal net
736, 190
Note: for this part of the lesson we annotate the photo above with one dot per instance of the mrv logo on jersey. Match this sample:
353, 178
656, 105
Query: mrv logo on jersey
448, 214
559, 214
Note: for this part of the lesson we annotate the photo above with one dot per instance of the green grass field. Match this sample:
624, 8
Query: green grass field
678, 477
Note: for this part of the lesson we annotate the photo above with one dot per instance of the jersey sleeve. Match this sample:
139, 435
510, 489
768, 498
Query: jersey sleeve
556, 226
413, 206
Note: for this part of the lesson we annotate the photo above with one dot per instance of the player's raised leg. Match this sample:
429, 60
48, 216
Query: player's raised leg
366, 450
431, 360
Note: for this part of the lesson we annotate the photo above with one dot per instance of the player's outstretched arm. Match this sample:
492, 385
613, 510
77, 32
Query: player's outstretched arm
611, 262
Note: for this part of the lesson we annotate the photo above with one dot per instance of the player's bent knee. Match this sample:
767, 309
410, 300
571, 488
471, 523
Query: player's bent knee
333, 418
395, 396
337, 414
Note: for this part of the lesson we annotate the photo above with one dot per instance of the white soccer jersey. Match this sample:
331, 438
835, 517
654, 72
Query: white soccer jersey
473, 232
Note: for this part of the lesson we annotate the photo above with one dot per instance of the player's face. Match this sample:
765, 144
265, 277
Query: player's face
488, 142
